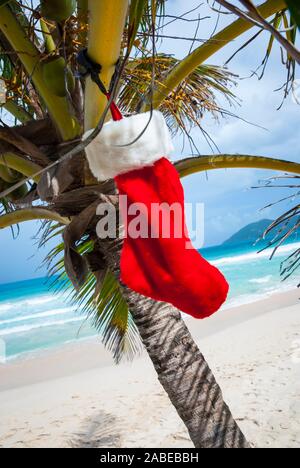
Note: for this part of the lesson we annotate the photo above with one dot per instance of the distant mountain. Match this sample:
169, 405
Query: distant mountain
249, 234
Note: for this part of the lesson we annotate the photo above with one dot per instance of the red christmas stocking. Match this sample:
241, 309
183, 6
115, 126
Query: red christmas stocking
157, 260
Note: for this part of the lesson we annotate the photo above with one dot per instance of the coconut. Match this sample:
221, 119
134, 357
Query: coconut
57, 10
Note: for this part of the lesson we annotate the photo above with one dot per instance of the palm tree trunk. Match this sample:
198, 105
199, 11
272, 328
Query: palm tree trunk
180, 366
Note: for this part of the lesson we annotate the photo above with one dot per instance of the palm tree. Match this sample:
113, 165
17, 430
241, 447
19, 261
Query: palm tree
44, 174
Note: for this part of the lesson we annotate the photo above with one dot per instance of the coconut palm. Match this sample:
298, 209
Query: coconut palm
44, 174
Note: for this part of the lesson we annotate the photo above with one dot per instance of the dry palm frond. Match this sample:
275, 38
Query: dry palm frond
251, 13
140, 22
285, 24
186, 105
287, 226
15, 79
288, 61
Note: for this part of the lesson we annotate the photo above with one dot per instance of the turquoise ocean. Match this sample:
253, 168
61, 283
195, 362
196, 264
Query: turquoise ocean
33, 318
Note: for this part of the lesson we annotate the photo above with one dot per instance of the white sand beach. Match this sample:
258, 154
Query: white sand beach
76, 396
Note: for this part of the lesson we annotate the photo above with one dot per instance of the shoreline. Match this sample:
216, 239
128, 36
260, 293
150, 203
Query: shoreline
89, 353
229, 306
76, 396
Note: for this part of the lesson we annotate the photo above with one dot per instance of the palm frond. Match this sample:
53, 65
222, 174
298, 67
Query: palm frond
6, 207
294, 8
15, 78
281, 21
186, 105
287, 226
110, 316
100, 301
142, 15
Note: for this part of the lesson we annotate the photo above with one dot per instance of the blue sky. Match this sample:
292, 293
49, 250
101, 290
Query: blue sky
229, 201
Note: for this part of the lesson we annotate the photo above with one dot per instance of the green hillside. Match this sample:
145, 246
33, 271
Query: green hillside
249, 234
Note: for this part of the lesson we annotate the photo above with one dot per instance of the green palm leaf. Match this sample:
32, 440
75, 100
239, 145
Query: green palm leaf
294, 7
104, 306
4, 2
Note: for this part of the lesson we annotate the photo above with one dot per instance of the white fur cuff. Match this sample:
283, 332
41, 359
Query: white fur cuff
113, 151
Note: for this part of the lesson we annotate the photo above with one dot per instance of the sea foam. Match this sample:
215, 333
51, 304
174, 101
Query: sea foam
49, 313
245, 258
263, 280
27, 328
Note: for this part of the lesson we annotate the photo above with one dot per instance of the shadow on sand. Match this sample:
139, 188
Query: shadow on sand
100, 431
